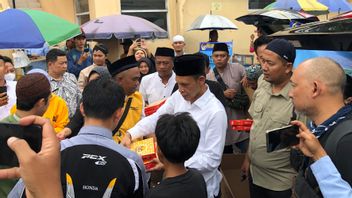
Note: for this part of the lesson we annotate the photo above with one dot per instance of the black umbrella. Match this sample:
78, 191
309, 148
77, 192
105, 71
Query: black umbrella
276, 17
274, 20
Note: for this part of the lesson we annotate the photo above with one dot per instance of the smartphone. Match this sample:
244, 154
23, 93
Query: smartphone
32, 134
3, 89
138, 41
86, 48
281, 138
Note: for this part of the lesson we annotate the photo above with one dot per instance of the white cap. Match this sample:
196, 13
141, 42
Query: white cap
178, 38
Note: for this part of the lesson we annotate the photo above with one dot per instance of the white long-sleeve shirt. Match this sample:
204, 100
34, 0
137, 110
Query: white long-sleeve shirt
153, 89
211, 118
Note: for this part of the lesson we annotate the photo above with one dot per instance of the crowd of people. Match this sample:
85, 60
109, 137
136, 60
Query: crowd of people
91, 110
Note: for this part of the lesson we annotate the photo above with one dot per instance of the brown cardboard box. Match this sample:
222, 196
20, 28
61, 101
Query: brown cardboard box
231, 185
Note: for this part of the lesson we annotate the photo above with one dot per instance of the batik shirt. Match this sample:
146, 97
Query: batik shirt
67, 88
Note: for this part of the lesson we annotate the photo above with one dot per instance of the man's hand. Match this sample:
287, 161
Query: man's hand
39, 171
158, 165
245, 166
230, 93
3, 99
64, 133
308, 143
126, 140
244, 81
83, 57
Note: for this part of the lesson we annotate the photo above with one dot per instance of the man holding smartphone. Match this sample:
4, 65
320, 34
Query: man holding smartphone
80, 57
317, 92
33, 91
7, 91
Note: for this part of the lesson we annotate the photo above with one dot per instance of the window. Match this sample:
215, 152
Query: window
259, 4
154, 11
82, 11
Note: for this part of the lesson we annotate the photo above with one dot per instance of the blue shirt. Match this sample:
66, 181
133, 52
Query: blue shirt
329, 179
72, 58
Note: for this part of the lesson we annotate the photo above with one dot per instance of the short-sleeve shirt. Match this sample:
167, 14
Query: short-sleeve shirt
270, 110
153, 89
191, 184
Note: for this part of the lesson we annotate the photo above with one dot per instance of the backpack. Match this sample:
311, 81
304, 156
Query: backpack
301, 186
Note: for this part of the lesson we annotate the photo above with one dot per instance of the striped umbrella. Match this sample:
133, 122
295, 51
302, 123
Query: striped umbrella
337, 5
309, 6
25, 28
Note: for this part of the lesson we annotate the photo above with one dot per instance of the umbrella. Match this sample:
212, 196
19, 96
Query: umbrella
212, 22
346, 15
25, 28
122, 27
310, 6
276, 17
337, 5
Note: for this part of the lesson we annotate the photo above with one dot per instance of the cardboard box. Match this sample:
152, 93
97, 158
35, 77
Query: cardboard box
231, 185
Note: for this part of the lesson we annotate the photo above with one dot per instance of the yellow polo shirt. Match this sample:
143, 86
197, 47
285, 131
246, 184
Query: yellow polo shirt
133, 116
57, 112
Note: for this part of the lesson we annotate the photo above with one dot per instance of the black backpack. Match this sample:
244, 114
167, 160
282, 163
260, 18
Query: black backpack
302, 188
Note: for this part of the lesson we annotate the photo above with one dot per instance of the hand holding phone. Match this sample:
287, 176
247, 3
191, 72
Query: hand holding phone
281, 138
39, 171
308, 143
32, 134
3, 99
138, 41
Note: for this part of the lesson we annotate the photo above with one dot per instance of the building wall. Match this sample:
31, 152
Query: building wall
61, 8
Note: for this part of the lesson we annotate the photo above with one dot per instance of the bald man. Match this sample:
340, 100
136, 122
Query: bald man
318, 93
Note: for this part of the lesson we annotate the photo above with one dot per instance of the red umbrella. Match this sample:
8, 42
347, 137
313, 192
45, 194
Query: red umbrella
346, 15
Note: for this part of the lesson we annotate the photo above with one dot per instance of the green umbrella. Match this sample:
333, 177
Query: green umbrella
25, 28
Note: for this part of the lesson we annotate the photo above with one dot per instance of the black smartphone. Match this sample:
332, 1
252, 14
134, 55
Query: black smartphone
86, 48
281, 138
3, 89
138, 41
32, 134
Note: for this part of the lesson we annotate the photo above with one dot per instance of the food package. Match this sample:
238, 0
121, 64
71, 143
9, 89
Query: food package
152, 108
147, 150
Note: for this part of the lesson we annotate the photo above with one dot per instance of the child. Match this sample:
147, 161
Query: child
177, 138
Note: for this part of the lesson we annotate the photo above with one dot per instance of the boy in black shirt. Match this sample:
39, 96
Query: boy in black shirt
177, 138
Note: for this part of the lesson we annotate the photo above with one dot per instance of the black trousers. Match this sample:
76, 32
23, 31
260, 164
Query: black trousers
260, 192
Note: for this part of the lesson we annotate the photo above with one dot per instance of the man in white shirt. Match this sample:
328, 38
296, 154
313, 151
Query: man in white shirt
178, 43
8, 92
159, 85
194, 97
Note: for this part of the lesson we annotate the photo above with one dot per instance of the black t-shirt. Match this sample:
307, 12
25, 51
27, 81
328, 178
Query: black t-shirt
191, 184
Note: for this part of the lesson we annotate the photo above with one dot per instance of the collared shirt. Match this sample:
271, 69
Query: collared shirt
212, 123
103, 137
270, 170
232, 75
67, 88
153, 89
72, 60
329, 179
11, 94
